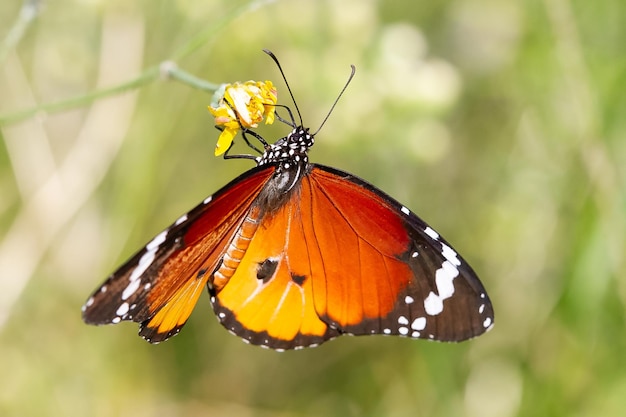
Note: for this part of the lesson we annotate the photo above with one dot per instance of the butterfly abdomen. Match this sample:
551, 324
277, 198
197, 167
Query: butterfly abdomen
272, 197
237, 248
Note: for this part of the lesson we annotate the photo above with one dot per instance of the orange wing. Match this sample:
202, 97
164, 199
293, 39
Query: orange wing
268, 299
160, 285
395, 275
339, 256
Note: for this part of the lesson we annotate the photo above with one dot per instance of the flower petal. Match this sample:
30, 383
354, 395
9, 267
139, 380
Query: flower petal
225, 140
242, 105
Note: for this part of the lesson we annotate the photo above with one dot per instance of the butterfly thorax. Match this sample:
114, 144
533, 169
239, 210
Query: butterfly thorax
292, 149
289, 156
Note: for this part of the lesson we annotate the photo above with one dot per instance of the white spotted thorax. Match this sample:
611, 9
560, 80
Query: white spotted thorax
291, 149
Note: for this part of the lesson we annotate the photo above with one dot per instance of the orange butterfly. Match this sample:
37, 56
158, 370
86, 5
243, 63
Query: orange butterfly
294, 254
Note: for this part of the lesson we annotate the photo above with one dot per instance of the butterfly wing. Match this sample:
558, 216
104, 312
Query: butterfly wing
340, 256
269, 299
160, 285
385, 270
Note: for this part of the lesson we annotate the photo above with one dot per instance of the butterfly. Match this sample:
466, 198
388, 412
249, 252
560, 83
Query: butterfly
294, 254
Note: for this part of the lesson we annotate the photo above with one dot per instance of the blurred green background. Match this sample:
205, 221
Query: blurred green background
501, 123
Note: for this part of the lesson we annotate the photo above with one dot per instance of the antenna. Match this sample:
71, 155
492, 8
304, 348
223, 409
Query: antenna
271, 54
337, 99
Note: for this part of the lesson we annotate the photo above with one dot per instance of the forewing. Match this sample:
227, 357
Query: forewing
160, 285
381, 269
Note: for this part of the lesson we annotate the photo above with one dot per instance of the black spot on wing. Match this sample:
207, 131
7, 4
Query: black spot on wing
266, 270
298, 279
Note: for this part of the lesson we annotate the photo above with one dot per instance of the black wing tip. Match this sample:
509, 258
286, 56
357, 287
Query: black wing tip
149, 334
93, 315
153, 336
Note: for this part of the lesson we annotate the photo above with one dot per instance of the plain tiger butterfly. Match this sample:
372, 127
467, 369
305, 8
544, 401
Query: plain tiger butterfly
294, 254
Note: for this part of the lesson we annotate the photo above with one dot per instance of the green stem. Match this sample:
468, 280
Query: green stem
171, 70
148, 75
168, 69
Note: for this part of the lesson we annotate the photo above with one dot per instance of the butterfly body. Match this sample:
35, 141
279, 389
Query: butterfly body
294, 254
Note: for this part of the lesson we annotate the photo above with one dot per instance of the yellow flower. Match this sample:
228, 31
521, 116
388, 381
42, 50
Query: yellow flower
243, 105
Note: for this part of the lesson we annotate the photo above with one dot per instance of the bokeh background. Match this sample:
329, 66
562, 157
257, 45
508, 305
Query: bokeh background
501, 123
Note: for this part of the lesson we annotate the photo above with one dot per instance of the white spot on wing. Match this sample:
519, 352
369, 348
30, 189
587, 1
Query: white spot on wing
130, 289
208, 199
144, 262
154, 243
147, 258
481, 309
487, 322
419, 323
387, 331
405, 210
444, 278
403, 331
433, 304
430, 232
122, 309
408, 299
450, 254
181, 219
403, 320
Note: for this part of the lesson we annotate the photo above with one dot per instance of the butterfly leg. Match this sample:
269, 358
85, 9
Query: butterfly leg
291, 123
242, 156
258, 137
